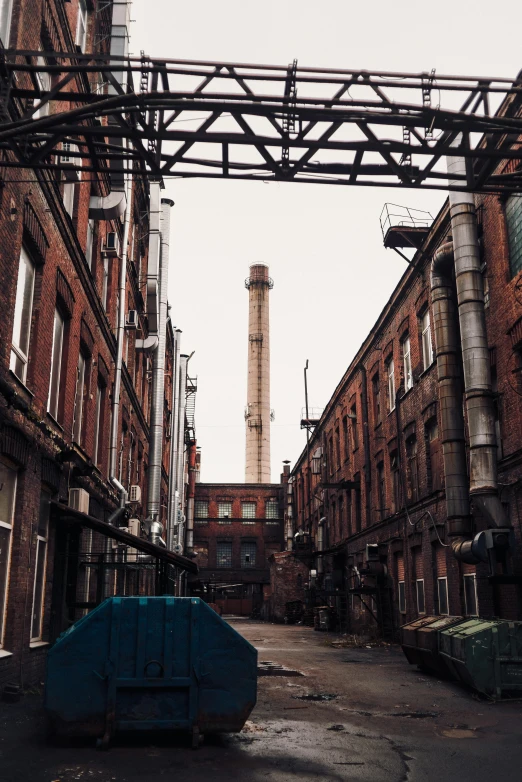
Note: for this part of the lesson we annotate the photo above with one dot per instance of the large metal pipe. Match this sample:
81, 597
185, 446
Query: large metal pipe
445, 326
366, 445
158, 383
191, 493
180, 475
173, 459
475, 352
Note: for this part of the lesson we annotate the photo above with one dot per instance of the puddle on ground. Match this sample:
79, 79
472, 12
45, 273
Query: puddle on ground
458, 733
316, 696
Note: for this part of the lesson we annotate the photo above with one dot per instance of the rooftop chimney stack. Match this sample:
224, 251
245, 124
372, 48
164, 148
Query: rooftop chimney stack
257, 412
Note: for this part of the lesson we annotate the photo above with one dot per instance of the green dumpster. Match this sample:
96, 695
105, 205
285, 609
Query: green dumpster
428, 644
485, 655
409, 637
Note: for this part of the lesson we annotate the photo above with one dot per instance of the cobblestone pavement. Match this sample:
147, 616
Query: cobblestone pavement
353, 714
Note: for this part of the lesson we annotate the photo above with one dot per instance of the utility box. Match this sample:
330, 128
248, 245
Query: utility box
485, 655
409, 642
150, 663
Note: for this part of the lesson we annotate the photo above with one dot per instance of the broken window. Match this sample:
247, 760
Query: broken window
248, 554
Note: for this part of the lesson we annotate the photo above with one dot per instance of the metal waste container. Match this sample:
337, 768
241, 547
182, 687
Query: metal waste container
428, 644
485, 655
150, 663
409, 637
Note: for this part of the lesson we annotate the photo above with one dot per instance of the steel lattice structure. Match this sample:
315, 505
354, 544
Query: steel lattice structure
240, 121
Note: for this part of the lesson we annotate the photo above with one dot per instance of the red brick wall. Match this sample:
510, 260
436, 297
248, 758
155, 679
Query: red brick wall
288, 578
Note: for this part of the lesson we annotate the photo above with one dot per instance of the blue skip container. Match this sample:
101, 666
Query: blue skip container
150, 663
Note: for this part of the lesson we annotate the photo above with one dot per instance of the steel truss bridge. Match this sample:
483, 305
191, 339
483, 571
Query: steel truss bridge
176, 118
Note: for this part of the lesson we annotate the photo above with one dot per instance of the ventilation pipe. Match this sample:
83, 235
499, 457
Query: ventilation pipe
180, 476
173, 466
190, 496
158, 384
113, 205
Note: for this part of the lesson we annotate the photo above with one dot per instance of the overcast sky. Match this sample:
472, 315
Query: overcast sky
323, 244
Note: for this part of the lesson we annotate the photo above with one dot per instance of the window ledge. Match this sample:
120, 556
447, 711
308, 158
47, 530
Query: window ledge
428, 369
21, 385
38, 644
55, 422
4, 653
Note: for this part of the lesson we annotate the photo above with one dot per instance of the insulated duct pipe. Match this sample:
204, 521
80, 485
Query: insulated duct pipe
158, 383
191, 493
180, 475
173, 465
366, 444
475, 352
446, 330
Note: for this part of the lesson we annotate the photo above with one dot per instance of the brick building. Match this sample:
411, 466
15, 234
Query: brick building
61, 270
237, 527
370, 493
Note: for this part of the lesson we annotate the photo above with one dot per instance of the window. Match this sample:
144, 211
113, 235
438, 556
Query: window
98, 421
89, 242
41, 562
7, 500
69, 191
81, 396
56, 365
470, 594
338, 448
514, 231
330, 456
223, 554
346, 442
248, 512
406, 357
272, 509
248, 554
224, 512
442, 586
376, 396
396, 481
421, 604
6, 7
22, 317
402, 597
43, 79
381, 489
355, 434
105, 281
390, 371
201, 509
358, 517
434, 467
427, 347
81, 27
412, 472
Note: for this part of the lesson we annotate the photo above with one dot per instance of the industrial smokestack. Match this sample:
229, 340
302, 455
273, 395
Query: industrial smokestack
257, 412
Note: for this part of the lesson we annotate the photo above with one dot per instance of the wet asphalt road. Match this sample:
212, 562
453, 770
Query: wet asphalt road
377, 720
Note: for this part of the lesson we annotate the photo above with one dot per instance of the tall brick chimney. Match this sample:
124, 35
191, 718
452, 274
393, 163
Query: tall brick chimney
257, 411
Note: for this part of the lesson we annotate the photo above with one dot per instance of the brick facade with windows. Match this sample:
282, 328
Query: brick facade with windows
237, 527
391, 453
59, 303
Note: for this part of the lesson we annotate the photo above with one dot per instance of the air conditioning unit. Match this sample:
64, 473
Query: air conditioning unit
135, 494
131, 321
72, 174
79, 500
111, 244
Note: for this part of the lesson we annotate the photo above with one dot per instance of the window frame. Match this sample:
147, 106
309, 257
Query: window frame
224, 518
248, 519
40, 540
219, 544
54, 409
515, 252
401, 596
98, 420
253, 546
427, 344
82, 22
9, 525
467, 577
5, 22
406, 362
417, 582
44, 83
376, 398
81, 397
17, 351
270, 518
390, 371
444, 579
197, 507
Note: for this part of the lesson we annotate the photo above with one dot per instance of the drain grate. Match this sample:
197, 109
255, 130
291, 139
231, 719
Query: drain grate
268, 668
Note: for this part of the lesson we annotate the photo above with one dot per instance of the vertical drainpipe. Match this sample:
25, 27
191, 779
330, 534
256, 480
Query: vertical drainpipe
320, 545
180, 476
475, 353
173, 461
158, 382
190, 496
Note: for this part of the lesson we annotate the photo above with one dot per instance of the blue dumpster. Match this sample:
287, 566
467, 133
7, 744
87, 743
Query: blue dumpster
150, 663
